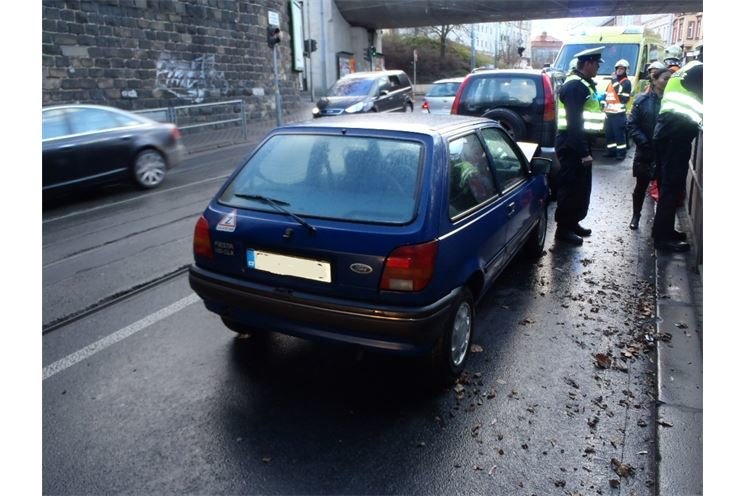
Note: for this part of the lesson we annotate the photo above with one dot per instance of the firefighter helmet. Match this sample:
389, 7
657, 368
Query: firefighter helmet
673, 52
656, 66
622, 63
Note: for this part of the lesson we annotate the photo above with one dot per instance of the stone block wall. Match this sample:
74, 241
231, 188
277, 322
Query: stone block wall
136, 54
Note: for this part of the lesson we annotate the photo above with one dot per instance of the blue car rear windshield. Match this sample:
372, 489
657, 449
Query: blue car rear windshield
364, 179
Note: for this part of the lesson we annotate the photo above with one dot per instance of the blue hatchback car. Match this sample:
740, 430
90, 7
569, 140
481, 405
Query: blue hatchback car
375, 230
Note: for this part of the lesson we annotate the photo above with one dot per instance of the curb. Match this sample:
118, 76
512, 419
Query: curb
679, 373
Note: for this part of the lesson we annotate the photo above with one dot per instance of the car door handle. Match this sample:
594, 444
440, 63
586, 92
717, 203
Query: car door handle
67, 147
126, 137
511, 209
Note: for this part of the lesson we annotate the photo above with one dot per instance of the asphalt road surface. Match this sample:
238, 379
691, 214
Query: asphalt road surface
145, 392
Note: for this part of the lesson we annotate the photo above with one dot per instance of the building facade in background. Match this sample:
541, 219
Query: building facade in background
544, 49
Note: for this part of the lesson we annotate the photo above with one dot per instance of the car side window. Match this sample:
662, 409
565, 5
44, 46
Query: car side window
86, 120
395, 83
54, 124
507, 166
383, 85
471, 181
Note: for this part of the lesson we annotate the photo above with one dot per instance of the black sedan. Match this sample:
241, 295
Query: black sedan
86, 145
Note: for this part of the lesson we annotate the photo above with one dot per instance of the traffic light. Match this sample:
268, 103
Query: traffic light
272, 36
310, 46
370, 53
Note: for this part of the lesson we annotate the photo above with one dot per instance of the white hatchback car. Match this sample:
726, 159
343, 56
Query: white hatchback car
439, 98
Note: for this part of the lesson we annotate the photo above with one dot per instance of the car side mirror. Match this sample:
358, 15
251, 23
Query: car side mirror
540, 166
383, 93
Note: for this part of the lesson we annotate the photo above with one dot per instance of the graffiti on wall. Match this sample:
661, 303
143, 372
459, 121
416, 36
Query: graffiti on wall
190, 80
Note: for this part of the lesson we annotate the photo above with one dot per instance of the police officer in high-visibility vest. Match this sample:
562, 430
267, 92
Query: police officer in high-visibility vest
678, 123
616, 97
579, 112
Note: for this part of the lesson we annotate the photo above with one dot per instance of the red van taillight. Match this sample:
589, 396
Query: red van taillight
425, 105
176, 134
409, 268
549, 105
202, 241
456, 101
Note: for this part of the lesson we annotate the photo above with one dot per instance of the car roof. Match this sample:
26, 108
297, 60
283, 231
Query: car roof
82, 105
431, 124
506, 72
450, 80
371, 74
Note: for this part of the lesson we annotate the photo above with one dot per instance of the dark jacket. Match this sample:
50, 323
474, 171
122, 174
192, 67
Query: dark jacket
641, 129
573, 95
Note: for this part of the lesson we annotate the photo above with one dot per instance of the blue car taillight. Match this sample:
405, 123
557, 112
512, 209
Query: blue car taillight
410, 267
202, 241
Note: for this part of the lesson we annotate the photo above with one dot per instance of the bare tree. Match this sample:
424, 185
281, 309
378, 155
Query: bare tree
442, 32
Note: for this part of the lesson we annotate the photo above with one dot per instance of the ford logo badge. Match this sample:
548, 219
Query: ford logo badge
361, 268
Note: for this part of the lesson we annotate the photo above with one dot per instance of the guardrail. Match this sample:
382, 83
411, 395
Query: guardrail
205, 125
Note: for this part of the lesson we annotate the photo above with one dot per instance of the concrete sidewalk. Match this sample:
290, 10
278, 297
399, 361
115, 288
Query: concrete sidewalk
679, 370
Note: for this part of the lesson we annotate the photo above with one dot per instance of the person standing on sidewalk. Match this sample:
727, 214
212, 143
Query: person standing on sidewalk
641, 128
616, 97
681, 117
579, 112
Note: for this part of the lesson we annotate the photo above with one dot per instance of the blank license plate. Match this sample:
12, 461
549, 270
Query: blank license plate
306, 268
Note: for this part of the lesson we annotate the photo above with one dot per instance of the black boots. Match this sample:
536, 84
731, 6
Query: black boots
572, 234
672, 245
566, 234
634, 224
581, 231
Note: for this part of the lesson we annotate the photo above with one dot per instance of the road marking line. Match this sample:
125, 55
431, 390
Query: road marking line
114, 338
134, 198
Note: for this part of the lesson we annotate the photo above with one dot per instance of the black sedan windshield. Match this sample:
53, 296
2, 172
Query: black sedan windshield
351, 87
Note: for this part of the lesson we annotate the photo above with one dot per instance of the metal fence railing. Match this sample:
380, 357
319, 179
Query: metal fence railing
695, 196
205, 125
212, 125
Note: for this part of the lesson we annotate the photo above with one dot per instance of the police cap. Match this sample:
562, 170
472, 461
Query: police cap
590, 54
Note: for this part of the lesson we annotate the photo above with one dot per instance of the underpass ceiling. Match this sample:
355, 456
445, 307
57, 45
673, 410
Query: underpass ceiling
381, 14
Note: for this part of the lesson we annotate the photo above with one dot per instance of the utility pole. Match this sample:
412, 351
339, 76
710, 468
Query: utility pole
473, 47
273, 39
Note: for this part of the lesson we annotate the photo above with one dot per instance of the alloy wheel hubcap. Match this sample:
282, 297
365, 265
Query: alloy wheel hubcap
461, 334
150, 168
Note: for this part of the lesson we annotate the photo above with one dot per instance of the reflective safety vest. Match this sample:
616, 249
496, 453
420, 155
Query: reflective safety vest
613, 103
592, 114
681, 101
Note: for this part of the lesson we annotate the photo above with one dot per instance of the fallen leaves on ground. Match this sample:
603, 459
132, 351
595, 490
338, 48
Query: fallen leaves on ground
622, 469
602, 361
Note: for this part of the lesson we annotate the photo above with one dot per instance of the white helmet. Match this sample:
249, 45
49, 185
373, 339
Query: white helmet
673, 52
656, 66
573, 64
622, 63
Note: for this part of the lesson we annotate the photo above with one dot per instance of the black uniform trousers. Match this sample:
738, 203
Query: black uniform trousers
574, 187
672, 162
615, 132
644, 170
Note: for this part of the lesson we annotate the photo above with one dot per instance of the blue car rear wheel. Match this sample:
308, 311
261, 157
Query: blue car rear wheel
451, 351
